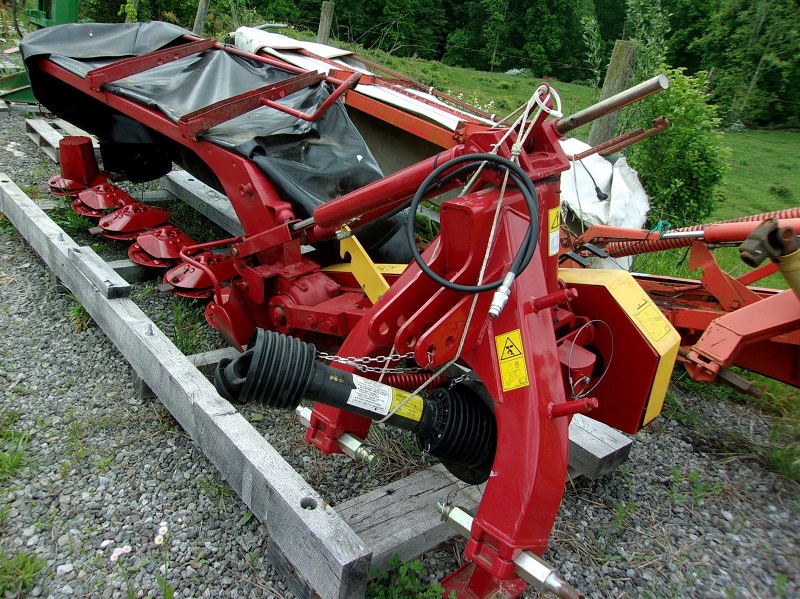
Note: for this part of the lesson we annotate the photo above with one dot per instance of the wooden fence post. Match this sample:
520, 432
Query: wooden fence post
200, 17
617, 76
325, 19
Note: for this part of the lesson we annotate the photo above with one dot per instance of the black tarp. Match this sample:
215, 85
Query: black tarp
308, 162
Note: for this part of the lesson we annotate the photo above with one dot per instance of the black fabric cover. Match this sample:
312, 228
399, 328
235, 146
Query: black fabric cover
309, 162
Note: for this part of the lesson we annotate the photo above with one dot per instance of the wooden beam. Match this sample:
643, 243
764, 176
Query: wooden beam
315, 541
595, 448
207, 201
133, 272
401, 518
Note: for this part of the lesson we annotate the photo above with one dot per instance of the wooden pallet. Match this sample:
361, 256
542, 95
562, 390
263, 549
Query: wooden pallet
46, 133
321, 551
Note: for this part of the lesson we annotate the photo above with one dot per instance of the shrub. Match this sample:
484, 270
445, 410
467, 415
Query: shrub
682, 168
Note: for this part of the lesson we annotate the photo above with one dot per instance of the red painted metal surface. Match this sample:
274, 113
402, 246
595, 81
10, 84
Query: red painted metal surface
105, 196
699, 309
203, 119
127, 67
133, 218
329, 101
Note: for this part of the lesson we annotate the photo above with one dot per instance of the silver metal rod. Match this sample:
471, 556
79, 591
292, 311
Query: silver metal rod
683, 234
529, 567
615, 102
350, 445
303, 224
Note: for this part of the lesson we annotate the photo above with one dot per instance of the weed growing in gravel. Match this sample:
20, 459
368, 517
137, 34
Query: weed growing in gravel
404, 581
187, 319
784, 455
676, 410
18, 572
70, 221
698, 489
76, 431
79, 316
218, 488
101, 464
13, 445
5, 225
162, 541
623, 510
118, 557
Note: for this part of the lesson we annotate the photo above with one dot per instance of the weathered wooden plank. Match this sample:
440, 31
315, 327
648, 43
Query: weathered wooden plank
133, 272
155, 196
94, 268
44, 136
595, 448
207, 201
316, 542
207, 361
67, 129
401, 518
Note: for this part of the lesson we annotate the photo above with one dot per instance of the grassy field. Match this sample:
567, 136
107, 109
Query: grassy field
763, 173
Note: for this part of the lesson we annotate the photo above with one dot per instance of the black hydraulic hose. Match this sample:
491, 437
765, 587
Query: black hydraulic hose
526, 187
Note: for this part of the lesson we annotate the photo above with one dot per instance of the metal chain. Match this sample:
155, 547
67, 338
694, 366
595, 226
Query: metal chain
361, 363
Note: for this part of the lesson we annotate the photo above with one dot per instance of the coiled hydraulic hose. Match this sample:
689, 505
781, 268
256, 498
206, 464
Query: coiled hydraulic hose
523, 183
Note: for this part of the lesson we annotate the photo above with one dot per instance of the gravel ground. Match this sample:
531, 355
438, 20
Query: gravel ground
679, 519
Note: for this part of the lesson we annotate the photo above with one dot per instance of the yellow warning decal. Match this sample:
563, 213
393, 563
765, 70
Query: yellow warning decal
554, 235
412, 408
554, 218
511, 359
652, 320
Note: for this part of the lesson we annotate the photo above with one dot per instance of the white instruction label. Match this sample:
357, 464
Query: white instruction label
555, 243
370, 395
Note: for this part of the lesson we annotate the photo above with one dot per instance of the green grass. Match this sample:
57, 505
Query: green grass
18, 572
188, 319
763, 173
13, 445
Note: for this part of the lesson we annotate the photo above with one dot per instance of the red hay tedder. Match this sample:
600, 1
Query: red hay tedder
486, 343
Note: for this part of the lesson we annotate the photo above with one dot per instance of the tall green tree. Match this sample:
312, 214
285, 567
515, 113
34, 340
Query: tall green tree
752, 50
689, 21
682, 168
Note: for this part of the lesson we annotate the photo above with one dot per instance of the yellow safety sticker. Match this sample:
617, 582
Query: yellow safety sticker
652, 320
554, 224
511, 359
412, 408
554, 218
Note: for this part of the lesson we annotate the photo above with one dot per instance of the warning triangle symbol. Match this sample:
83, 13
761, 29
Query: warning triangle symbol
510, 350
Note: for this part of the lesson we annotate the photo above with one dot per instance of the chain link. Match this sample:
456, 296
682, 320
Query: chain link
362, 363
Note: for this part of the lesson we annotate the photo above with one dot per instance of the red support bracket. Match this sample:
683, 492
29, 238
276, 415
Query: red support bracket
349, 84
190, 125
126, 67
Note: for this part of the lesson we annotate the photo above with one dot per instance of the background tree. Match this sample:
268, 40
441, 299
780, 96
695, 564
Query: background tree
752, 48
681, 169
